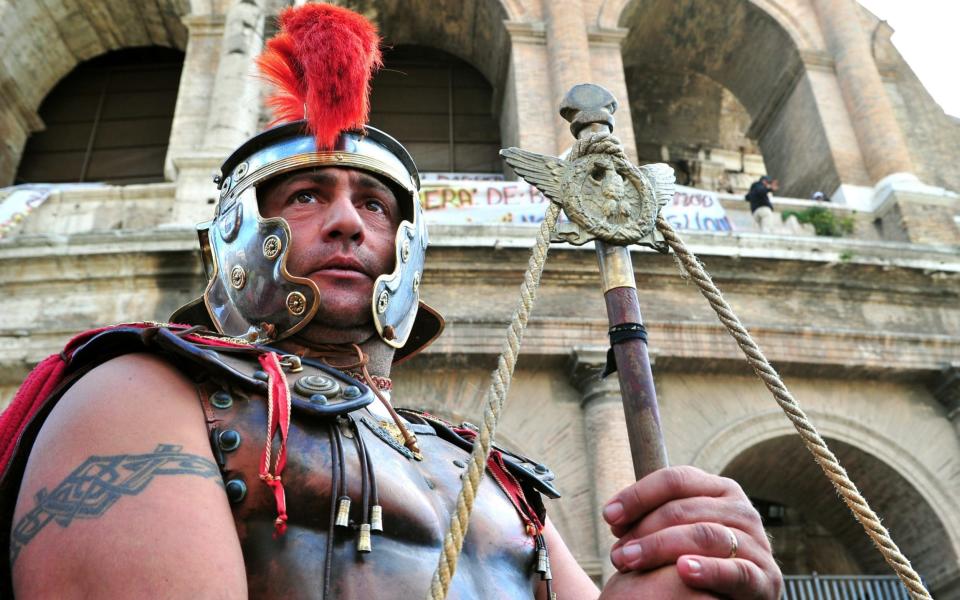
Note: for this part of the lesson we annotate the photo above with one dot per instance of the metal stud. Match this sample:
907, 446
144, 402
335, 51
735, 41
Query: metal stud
416, 281
296, 303
236, 490
459, 463
351, 391
221, 399
229, 440
261, 375
382, 301
405, 251
319, 399
240, 171
272, 246
237, 277
310, 385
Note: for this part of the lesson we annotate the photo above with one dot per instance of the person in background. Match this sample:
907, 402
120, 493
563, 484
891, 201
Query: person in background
761, 206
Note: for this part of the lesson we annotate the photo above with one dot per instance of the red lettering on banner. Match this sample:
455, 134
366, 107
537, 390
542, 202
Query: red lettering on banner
428, 199
509, 193
491, 191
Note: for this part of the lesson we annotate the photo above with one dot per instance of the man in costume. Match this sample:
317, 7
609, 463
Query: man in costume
257, 452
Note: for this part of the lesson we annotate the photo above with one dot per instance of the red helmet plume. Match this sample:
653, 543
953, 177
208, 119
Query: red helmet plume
321, 63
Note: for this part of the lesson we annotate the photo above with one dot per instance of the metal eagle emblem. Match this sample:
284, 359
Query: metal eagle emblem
604, 196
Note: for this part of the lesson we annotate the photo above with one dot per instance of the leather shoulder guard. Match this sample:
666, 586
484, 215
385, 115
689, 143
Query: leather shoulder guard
535, 478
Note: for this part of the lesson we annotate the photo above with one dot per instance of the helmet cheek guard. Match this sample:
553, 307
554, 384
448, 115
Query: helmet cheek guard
396, 296
250, 293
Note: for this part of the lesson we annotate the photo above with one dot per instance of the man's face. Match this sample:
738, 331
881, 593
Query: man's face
343, 224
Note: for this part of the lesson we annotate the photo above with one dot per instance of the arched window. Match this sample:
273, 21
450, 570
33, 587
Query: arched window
440, 108
108, 120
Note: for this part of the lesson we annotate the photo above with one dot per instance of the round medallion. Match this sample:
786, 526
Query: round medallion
416, 282
382, 301
405, 251
237, 277
225, 187
315, 386
609, 198
296, 303
272, 246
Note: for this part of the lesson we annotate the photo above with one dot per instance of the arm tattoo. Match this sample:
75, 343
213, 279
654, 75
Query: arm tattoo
99, 482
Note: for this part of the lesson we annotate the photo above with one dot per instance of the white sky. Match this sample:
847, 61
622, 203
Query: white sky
926, 34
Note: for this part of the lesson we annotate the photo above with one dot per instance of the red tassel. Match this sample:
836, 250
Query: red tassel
278, 421
321, 63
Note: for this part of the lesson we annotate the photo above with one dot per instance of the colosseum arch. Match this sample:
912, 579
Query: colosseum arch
755, 50
765, 455
43, 41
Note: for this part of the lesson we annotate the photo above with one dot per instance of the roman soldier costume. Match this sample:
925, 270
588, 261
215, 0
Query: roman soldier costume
316, 480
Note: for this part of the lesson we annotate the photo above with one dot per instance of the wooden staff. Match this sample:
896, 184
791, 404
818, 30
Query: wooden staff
589, 109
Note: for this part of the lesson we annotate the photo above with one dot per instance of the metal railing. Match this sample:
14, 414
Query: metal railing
843, 587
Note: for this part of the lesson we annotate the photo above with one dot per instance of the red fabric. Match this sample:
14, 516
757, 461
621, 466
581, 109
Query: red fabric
279, 417
321, 63
509, 484
47, 375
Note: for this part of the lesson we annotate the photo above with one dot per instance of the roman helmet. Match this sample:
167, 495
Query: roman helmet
320, 65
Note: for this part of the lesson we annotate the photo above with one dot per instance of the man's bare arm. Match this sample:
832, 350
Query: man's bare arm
122, 497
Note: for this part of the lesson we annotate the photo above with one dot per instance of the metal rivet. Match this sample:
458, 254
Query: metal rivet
308, 385
221, 399
351, 391
541, 469
237, 277
272, 246
382, 301
240, 171
416, 281
225, 187
318, 399
296, 303
236, 490
229, 440
405, 251
261, 375
459, 463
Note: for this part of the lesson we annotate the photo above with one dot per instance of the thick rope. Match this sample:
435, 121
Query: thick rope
496, 395
808, 433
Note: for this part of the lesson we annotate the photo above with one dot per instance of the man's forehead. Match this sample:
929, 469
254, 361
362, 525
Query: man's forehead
331, 176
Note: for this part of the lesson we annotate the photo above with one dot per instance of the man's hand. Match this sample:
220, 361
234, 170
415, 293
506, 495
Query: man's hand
701, 523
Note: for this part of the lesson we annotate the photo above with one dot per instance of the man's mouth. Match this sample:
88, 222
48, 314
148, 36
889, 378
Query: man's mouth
347, 267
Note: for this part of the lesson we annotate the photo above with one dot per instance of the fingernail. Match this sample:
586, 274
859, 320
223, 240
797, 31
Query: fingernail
632, 551
694, 566
613, 512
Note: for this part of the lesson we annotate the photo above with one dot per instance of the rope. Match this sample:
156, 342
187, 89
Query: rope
808, 433
496, 395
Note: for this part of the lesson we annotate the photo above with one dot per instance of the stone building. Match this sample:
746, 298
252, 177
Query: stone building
146, 97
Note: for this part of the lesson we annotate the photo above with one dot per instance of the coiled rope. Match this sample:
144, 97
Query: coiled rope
502, 376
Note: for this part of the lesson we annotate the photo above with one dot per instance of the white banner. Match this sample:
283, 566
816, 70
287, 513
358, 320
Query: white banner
696, 209
19, 203
484, 198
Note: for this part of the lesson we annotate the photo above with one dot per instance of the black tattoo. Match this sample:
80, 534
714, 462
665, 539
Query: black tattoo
99, 482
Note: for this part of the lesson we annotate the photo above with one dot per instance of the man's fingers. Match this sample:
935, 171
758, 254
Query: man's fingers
731, 511
736, 578
660, 487
666, 546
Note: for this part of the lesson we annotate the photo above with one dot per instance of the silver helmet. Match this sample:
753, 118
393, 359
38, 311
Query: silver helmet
250, 293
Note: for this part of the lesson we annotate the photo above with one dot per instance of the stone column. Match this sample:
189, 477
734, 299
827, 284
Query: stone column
526, 120
235, 105
569, 51
607, 441
946, 389
879, 135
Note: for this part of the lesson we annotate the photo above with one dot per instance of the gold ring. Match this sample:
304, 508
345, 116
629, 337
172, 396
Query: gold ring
734, 545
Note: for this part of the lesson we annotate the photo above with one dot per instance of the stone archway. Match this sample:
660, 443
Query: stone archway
818, 533
756, 53
43, 41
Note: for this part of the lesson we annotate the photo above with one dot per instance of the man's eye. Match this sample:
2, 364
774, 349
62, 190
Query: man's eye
304, 198
375, 206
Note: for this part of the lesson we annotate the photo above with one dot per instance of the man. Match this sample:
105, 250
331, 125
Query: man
760, 205
171, 462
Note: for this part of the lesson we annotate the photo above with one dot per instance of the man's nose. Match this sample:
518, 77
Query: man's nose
342, 220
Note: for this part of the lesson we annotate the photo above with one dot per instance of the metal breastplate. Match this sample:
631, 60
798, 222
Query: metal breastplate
416, 495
